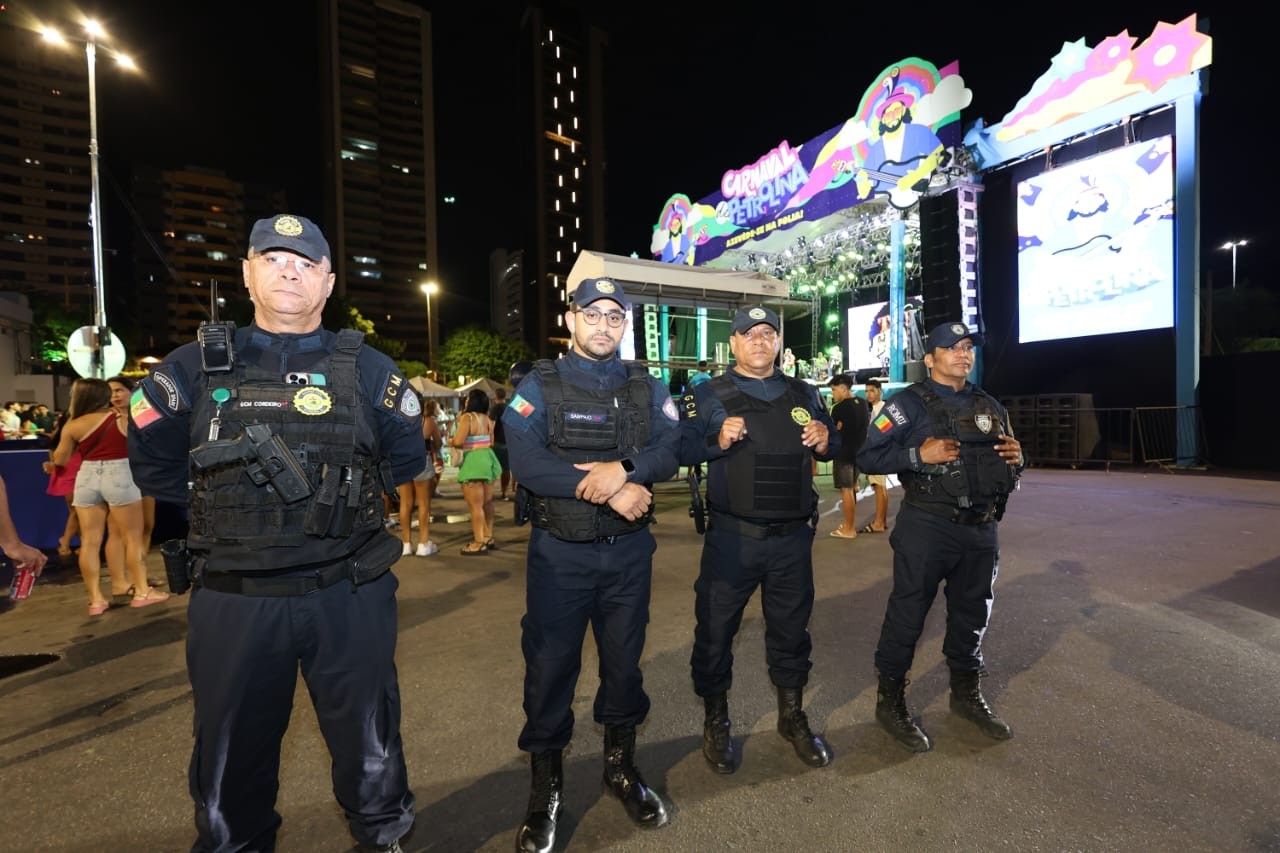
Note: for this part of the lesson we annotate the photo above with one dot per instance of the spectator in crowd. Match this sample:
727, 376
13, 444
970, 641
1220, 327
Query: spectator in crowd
473, 435
10, 421
879, 487
62, 483
104, 486
500, 439
850, 416
417, 493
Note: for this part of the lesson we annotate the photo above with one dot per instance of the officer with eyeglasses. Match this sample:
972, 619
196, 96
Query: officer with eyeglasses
281, 438
587, 435
952, 448
760, 431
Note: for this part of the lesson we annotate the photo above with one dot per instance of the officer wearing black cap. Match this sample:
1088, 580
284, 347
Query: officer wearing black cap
281, 439
587, 435
760, 430
951, 446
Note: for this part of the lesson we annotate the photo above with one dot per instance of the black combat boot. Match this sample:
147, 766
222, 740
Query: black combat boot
892, 713
968, 702
538, 832
622, 779
793, 724
717, 745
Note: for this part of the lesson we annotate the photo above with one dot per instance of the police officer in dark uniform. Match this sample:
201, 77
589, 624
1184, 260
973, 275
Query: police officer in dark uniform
588, 434
951, 446
760, 430
281, 438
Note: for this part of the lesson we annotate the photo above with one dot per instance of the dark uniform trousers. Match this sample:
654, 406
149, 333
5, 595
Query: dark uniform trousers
733, 565
570, 585
243, 684
927, 550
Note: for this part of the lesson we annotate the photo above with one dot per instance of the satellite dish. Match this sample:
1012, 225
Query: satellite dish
83, 345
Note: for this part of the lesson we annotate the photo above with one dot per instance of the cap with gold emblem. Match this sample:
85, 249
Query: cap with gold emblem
592, 289
291, 233
753, 315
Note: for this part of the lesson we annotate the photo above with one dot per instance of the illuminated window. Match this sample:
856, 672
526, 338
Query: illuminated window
557, 51
575, 247
551, 35
555, 102
561, 230
557, 256
557, 78
573, 197
559, 180
575, 122
555, 155
576, 175
557, 204
575, 72
577, 222
571, 97
362, 71
218, 256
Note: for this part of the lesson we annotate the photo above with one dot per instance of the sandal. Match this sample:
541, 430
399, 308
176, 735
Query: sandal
474, 549
153, 596
98, 608
490, 545
867, 528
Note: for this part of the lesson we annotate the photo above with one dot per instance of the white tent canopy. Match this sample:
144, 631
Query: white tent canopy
678, 284
427, 388
484, 383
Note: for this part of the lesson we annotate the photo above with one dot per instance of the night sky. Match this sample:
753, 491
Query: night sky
692, 90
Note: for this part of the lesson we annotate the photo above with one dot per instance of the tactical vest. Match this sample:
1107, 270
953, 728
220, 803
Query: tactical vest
585, 425
246, 526
769, 474
981, 479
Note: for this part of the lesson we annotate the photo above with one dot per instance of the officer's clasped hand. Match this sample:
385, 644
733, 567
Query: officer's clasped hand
602, 482
815, 436
1010, 448
733, 430
939, 451
632, 501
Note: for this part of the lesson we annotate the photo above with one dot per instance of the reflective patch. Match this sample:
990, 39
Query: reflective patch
801, 416
669, 409
312, 401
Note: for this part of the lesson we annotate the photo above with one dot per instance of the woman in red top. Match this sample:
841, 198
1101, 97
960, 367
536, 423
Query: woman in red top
104, 486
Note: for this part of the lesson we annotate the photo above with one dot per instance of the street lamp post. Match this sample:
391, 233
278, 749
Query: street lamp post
1233, 245
94, 33
430, 288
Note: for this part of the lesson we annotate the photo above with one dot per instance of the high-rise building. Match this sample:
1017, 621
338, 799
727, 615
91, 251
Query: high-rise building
563, 162
380, 192
506, 293
45, 240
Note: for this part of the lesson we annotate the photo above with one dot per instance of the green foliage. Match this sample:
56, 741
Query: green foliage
52, 324
473, 351
411, 368
1244, 320
339, 313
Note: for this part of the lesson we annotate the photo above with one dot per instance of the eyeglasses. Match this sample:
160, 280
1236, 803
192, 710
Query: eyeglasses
280, 262
760, 334
592, 316
961, 347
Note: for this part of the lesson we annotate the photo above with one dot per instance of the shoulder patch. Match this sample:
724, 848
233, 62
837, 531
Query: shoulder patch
669, 409
141, 411
167, 381
394, 389
409, 405
889, 417
521, 406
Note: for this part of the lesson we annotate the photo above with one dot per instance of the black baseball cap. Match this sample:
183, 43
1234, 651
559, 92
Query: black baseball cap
592, 289
749, 316
949, 334
292, 233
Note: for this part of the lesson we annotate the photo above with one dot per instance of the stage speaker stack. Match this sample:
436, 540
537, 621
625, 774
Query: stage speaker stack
939, 259
949, 256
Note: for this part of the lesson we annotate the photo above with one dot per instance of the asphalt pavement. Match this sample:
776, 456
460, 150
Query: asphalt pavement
1133, 648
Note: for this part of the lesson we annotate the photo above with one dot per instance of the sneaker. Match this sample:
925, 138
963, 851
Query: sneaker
426, 549
406, 550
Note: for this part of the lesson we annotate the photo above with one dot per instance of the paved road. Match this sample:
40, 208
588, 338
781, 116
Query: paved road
1134, 649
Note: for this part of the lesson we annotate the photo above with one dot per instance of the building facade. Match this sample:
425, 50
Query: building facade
380, 185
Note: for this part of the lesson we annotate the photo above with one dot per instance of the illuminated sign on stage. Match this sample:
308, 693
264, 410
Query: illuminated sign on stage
905, 129
1095, 245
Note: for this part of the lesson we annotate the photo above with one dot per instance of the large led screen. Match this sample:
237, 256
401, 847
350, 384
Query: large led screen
867, 327
1095, 245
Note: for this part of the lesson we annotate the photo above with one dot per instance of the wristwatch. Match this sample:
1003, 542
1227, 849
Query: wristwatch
628, 465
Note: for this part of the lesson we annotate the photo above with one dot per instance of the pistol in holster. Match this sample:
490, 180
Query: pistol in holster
177, 565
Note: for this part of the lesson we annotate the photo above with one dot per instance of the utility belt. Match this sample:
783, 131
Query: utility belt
752, 530
367, 564
971, 517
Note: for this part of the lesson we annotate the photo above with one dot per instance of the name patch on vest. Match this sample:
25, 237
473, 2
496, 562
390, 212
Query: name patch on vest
312, 401
585, 417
